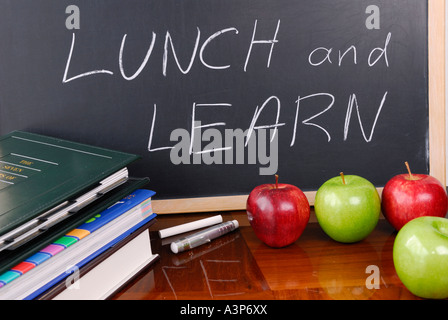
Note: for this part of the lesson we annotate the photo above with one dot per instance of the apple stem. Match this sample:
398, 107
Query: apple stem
342, 176
409, 170
276, 181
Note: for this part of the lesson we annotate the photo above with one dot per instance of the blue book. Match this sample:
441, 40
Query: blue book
136, 208
79, 265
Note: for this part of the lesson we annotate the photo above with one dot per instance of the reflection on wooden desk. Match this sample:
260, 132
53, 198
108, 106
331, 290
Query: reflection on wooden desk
238, 266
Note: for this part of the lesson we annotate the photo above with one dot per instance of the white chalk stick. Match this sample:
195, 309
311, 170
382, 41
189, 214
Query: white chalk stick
190, 226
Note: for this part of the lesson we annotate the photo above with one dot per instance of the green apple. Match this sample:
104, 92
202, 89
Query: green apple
420, 257
347, 208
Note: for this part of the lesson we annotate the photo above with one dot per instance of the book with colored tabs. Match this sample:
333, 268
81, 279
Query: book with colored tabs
48, 186
44, 180
46, 268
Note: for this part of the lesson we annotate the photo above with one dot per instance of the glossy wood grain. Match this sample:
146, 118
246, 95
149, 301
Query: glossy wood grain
239, 266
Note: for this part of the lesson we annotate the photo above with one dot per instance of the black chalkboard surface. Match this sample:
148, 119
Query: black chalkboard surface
341, 85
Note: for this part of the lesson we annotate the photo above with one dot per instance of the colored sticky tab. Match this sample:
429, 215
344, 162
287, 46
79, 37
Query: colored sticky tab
78, 233
8, 276
53, 249
66, 241
39, 257
23, 267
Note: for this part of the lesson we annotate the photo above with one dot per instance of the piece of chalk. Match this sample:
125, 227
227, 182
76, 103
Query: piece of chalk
190, 226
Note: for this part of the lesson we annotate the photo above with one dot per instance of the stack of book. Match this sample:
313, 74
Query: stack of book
73, 224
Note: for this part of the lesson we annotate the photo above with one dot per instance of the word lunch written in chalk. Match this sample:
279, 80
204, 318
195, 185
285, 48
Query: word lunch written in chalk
187, 139
317, 56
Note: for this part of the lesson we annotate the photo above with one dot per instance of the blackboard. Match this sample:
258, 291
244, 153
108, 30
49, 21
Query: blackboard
342, 86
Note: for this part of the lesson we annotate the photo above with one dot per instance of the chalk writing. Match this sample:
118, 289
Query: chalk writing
217, 151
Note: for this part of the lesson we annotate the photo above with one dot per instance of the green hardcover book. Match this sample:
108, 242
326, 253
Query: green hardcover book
44, 180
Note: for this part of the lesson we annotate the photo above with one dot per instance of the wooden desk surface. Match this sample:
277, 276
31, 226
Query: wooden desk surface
238, 266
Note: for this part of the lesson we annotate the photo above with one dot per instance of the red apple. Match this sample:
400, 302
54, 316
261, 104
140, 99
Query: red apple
278, 213
409, 196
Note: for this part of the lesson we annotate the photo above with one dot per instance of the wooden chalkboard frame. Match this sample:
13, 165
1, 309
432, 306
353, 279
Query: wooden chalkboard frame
437, 147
